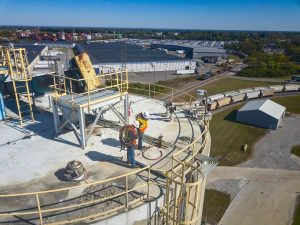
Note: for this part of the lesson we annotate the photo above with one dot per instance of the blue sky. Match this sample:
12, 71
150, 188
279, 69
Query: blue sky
188, 14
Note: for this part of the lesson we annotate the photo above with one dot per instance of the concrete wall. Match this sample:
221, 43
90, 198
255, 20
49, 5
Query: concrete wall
155, 66
141, 213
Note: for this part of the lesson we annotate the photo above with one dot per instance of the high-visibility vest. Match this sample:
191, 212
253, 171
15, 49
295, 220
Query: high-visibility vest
125, 137
143, 122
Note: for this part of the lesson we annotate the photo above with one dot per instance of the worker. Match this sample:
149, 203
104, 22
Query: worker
128, 136
142, 118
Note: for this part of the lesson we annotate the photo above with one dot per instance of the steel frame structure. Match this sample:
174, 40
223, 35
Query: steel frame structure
73, 106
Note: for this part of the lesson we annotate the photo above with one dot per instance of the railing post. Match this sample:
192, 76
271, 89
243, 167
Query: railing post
149, 88
89, 97
126, 188
167, 198
71, 90
148, 191
39, 208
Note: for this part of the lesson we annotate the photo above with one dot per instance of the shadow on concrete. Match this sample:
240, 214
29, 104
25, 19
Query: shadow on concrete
60, 175
100, 157
111, 142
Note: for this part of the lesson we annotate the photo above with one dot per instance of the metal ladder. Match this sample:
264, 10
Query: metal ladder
17, 64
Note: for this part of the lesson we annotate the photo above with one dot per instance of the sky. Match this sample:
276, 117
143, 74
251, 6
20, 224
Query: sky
265, 15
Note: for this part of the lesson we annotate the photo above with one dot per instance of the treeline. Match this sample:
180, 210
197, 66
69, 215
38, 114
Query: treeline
283, 58
269, 65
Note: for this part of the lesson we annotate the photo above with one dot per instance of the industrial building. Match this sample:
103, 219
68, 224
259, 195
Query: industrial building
209, 54
134, 58
261, 113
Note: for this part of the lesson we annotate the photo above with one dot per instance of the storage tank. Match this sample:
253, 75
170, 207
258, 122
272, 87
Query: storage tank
224, 101
2, 108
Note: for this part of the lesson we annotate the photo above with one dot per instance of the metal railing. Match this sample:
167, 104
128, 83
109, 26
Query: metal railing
42, 211
63, 85
182, 198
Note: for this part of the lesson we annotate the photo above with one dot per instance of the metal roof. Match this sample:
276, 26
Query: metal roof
114, 53
267, 106
32, 50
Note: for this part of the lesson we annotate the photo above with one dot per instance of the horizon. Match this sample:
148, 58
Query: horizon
146, 28
232, 15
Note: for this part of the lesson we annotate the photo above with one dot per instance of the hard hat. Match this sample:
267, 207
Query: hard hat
146, 115
136, 124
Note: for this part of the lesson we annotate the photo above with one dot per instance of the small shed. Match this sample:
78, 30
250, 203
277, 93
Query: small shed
261, 113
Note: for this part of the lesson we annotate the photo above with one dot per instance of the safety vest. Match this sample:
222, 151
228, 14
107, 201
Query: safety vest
128, 135
143, 122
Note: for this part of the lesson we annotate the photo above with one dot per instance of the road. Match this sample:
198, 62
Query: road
266, 198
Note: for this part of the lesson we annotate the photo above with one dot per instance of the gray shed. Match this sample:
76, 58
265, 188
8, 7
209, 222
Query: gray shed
261, 113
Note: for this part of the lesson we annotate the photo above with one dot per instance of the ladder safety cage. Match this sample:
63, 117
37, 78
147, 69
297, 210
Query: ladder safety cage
16, 62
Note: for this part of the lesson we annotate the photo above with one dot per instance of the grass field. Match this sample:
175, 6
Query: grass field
178, 82
296, 150
291, 103
229, 84
228, 136
215, 205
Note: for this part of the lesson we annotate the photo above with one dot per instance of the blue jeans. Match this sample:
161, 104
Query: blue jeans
140, 142
130, 155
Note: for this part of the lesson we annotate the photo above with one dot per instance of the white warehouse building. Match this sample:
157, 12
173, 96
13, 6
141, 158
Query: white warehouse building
152, 66
261, 113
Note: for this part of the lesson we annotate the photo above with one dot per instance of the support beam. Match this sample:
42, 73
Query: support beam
81, 117
118, 114
94, 124
126, 108
55, 115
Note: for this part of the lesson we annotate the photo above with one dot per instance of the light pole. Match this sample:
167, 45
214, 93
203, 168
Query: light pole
153, 66
165, 71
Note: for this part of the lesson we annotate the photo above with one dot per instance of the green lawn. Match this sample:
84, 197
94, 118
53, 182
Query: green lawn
296, 150
215, 205
229, 84
228, 137
292, 103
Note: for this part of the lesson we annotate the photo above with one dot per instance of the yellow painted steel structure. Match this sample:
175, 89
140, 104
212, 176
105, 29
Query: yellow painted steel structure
182, 196
15, 62
87, 71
